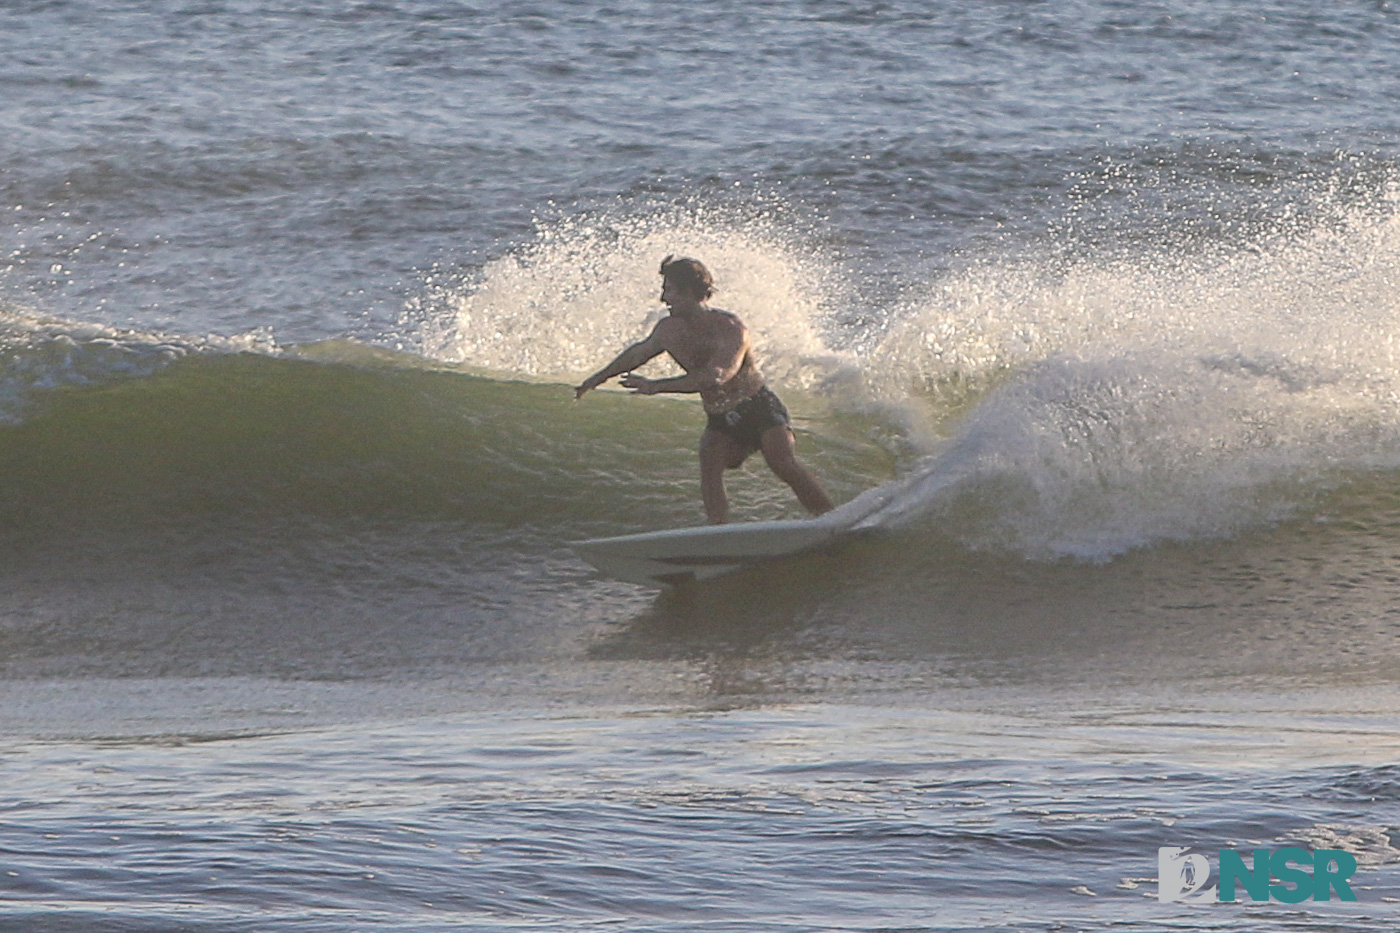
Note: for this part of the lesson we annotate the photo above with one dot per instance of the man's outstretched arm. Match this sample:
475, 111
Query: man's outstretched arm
627, 360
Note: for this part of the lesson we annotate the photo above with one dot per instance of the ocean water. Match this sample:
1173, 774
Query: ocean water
1099, 296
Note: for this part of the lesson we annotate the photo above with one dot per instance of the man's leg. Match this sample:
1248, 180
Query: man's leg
718, 452
781, 456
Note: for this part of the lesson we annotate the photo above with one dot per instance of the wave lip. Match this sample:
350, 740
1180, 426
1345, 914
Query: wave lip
39, 354
1125, 401
1092, 459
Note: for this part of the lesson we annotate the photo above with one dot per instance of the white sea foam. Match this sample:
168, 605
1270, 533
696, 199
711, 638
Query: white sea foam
564, 304
1132, 402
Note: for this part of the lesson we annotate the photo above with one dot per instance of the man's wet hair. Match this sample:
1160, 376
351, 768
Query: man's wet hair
688, 274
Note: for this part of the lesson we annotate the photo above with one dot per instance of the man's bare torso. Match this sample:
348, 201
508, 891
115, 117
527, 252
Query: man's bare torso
714, 338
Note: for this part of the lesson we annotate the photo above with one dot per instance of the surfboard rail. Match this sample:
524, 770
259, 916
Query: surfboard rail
675, 556
683, 555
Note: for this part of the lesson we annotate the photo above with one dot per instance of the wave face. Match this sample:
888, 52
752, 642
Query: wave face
1039, 405
253, 433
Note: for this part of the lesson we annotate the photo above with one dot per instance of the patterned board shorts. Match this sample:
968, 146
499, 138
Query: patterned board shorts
746, 422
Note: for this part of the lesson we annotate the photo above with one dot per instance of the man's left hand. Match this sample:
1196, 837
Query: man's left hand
640, 385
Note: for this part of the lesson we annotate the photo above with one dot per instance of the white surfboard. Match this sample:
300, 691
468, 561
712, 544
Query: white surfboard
684, 555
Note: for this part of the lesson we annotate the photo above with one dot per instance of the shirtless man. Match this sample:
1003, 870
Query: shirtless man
714, 349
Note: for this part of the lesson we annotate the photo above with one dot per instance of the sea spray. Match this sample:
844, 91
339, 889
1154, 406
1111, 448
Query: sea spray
566, 302
1118, 403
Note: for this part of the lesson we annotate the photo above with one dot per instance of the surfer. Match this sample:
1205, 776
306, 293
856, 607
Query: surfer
714, 349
